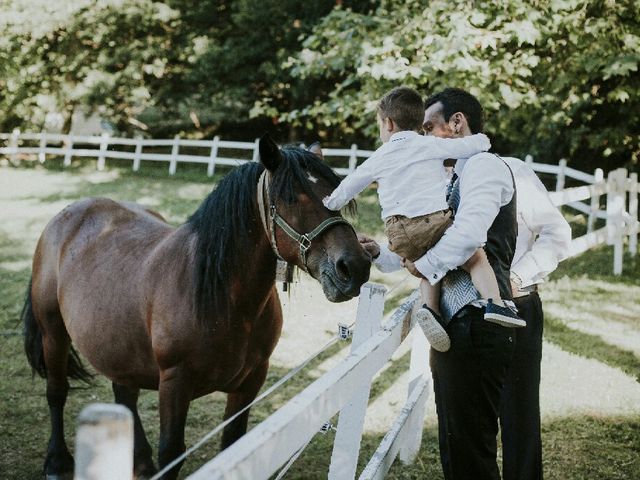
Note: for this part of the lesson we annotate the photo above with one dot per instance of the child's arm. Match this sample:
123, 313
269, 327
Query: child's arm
352, 185
465, 147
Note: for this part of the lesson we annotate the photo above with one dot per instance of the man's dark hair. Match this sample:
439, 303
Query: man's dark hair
404, 106
457, 100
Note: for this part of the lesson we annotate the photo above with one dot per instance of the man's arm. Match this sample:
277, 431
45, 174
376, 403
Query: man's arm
543, 219
485, 185
383, 258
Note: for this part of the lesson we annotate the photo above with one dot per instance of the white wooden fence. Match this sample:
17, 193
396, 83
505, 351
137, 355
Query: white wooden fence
344, 389
212, 152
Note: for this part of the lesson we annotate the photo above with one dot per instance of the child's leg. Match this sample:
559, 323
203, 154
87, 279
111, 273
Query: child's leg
430, 295
483, 276
484, 280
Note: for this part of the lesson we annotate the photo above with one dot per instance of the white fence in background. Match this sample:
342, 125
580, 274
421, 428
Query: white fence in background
133, 149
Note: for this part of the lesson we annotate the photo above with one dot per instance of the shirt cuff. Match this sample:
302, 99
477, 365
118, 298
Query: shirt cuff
527, 270
430, 269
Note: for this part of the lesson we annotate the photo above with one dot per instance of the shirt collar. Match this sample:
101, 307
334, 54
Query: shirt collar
403, 135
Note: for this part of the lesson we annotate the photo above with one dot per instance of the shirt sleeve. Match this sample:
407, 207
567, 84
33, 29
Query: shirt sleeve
544, 220
353, 183
387, 261
464, 147
485, 186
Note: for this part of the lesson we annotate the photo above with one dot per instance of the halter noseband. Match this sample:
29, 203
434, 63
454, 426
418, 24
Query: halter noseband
303, 240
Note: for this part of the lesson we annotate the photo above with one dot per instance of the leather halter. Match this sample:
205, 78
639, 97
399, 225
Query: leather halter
303, 240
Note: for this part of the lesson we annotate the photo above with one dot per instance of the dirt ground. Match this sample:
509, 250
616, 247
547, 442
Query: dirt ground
570, 384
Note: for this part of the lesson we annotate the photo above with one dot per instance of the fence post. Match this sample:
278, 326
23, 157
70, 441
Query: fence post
137, 153
562, 164
346, 446
213, 155
616, 195
13, 145
353, 158
595, 200
256, 150
42, 147
67, 141
104, 443
104, 143
633, 213
173, 163
418, 370
529, 160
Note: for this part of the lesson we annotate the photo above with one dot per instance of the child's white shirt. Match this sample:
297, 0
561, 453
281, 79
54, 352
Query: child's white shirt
410, 173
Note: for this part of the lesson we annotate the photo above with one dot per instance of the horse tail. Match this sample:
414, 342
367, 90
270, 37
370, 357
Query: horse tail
34, 350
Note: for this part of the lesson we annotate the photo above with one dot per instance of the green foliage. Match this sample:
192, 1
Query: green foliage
108, 56
557, 78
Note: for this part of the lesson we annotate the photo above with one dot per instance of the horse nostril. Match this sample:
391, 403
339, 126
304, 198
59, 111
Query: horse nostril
342, 268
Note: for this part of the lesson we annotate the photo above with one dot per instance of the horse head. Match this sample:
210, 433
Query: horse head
300, 229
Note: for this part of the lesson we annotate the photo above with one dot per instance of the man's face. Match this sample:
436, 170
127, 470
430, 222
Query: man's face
434, 123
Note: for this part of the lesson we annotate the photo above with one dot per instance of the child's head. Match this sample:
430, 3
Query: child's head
400, 109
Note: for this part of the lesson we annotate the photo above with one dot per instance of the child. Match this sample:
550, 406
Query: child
411, 188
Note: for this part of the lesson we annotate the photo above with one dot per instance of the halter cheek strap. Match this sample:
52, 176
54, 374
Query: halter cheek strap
303, 240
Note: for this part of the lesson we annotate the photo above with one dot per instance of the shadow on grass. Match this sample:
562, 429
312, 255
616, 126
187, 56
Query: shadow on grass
591, 346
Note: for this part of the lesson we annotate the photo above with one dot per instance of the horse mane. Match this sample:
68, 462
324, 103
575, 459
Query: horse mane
223, 224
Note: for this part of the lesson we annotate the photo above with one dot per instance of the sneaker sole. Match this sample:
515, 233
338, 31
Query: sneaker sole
504, 320
436, 335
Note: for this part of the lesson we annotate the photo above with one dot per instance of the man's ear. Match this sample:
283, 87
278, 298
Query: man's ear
389, 124
270, 155
458, 123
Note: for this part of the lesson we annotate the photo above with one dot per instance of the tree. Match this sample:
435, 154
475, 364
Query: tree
552, 75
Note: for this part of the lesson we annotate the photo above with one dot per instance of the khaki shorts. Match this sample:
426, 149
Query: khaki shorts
412, 237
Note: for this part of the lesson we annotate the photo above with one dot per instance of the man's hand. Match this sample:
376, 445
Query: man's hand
409, 265
370, 245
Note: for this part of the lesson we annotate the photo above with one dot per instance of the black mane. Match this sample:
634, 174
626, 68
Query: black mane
223, 223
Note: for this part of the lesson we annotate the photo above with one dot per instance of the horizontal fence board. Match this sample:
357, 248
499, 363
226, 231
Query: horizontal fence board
582, 244
388, 449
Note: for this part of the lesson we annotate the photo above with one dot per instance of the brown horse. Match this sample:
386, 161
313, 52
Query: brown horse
189, 310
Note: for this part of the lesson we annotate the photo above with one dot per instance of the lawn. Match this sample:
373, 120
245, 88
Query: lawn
589, 445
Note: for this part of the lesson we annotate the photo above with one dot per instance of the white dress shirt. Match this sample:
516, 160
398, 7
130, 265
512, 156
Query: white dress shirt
544, 236
409, 171
485, 186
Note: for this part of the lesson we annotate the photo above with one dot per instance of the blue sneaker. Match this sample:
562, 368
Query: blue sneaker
429, 321
502, 316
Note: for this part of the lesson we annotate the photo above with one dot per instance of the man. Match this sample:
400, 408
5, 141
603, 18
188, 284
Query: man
448, 113
544, 238
468, 379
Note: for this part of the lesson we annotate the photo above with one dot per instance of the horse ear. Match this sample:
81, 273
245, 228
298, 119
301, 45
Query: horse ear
270, 155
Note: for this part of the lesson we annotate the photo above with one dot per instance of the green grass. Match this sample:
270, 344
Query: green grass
585, 447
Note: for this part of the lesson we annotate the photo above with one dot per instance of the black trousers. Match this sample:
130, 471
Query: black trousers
468, 381
520, 407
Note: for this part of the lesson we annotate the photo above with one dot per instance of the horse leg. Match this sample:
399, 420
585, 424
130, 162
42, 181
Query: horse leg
237, 400
143, 466
175, 397
56, 345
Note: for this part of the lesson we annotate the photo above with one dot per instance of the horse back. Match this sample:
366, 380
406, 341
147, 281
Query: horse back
89, 265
